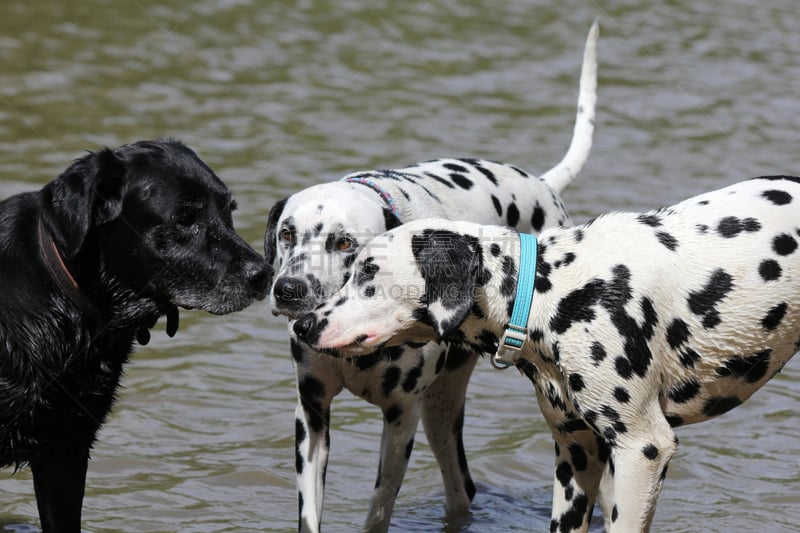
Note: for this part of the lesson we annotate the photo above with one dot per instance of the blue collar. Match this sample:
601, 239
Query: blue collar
517, 329
369, 182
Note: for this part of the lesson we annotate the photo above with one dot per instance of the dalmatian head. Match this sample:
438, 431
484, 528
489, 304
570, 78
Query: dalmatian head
417, 283
314, 236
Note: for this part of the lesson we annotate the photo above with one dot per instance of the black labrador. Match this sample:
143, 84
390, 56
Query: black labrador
88, 264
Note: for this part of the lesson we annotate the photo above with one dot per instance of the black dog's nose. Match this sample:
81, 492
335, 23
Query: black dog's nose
304, 325
259, 276
290, 290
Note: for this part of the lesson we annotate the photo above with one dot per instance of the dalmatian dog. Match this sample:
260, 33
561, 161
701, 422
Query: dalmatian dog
316, 234
639, 323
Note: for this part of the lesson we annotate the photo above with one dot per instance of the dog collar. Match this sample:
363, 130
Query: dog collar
61, 274
517, 328
369, 182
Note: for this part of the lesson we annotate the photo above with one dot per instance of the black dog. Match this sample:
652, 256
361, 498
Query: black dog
88, 264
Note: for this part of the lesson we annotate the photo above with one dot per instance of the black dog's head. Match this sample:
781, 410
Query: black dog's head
153, 220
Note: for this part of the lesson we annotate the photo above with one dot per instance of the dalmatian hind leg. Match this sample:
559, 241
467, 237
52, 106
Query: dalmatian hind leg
443, 405
397, 387
400, 423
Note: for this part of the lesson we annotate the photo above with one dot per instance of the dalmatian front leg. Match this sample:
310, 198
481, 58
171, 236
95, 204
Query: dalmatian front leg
443, 420
582, 455
317, 384
400, 421
639, 464
581, 458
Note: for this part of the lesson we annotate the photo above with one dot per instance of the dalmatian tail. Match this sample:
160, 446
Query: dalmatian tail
565, 171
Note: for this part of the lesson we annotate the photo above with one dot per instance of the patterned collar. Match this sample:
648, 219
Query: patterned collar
369, 182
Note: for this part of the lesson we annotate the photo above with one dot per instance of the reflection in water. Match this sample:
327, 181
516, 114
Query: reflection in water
277, 96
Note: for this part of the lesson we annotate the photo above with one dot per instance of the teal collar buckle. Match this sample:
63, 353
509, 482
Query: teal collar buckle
516, 331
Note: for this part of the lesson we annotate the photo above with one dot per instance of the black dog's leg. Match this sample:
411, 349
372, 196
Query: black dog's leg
59, 482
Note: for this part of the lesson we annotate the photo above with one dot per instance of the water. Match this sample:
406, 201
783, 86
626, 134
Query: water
277, 96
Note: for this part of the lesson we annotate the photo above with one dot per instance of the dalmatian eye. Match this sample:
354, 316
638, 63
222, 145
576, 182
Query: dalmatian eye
286, 236
344, 244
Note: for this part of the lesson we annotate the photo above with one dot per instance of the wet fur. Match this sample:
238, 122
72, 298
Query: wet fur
141, 229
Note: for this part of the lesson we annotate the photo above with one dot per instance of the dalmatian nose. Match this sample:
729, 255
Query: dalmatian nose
290, 290
304, 326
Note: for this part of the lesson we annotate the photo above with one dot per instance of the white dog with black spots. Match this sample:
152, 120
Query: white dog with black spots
316, 234
639, 323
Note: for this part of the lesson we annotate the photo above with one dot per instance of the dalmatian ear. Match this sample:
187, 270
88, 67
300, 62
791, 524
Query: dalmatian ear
270, 248
449, 263
390, 219
88, 193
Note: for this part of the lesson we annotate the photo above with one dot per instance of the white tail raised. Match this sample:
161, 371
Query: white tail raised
565, 171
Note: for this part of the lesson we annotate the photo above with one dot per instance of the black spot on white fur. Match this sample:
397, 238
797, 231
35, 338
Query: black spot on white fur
732, 226
784, 244
537, 218
512, 215
704, 301
769, 270
462, 181
777, 197
498, 207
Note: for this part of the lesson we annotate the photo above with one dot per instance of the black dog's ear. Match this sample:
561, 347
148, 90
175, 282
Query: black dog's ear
90, 192
111, 184
270, 249
449, 263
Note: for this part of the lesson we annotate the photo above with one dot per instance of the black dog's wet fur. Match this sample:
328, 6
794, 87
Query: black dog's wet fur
141, 229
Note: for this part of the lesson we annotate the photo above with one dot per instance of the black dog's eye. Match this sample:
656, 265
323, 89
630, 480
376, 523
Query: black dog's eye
286, 236
186, 216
